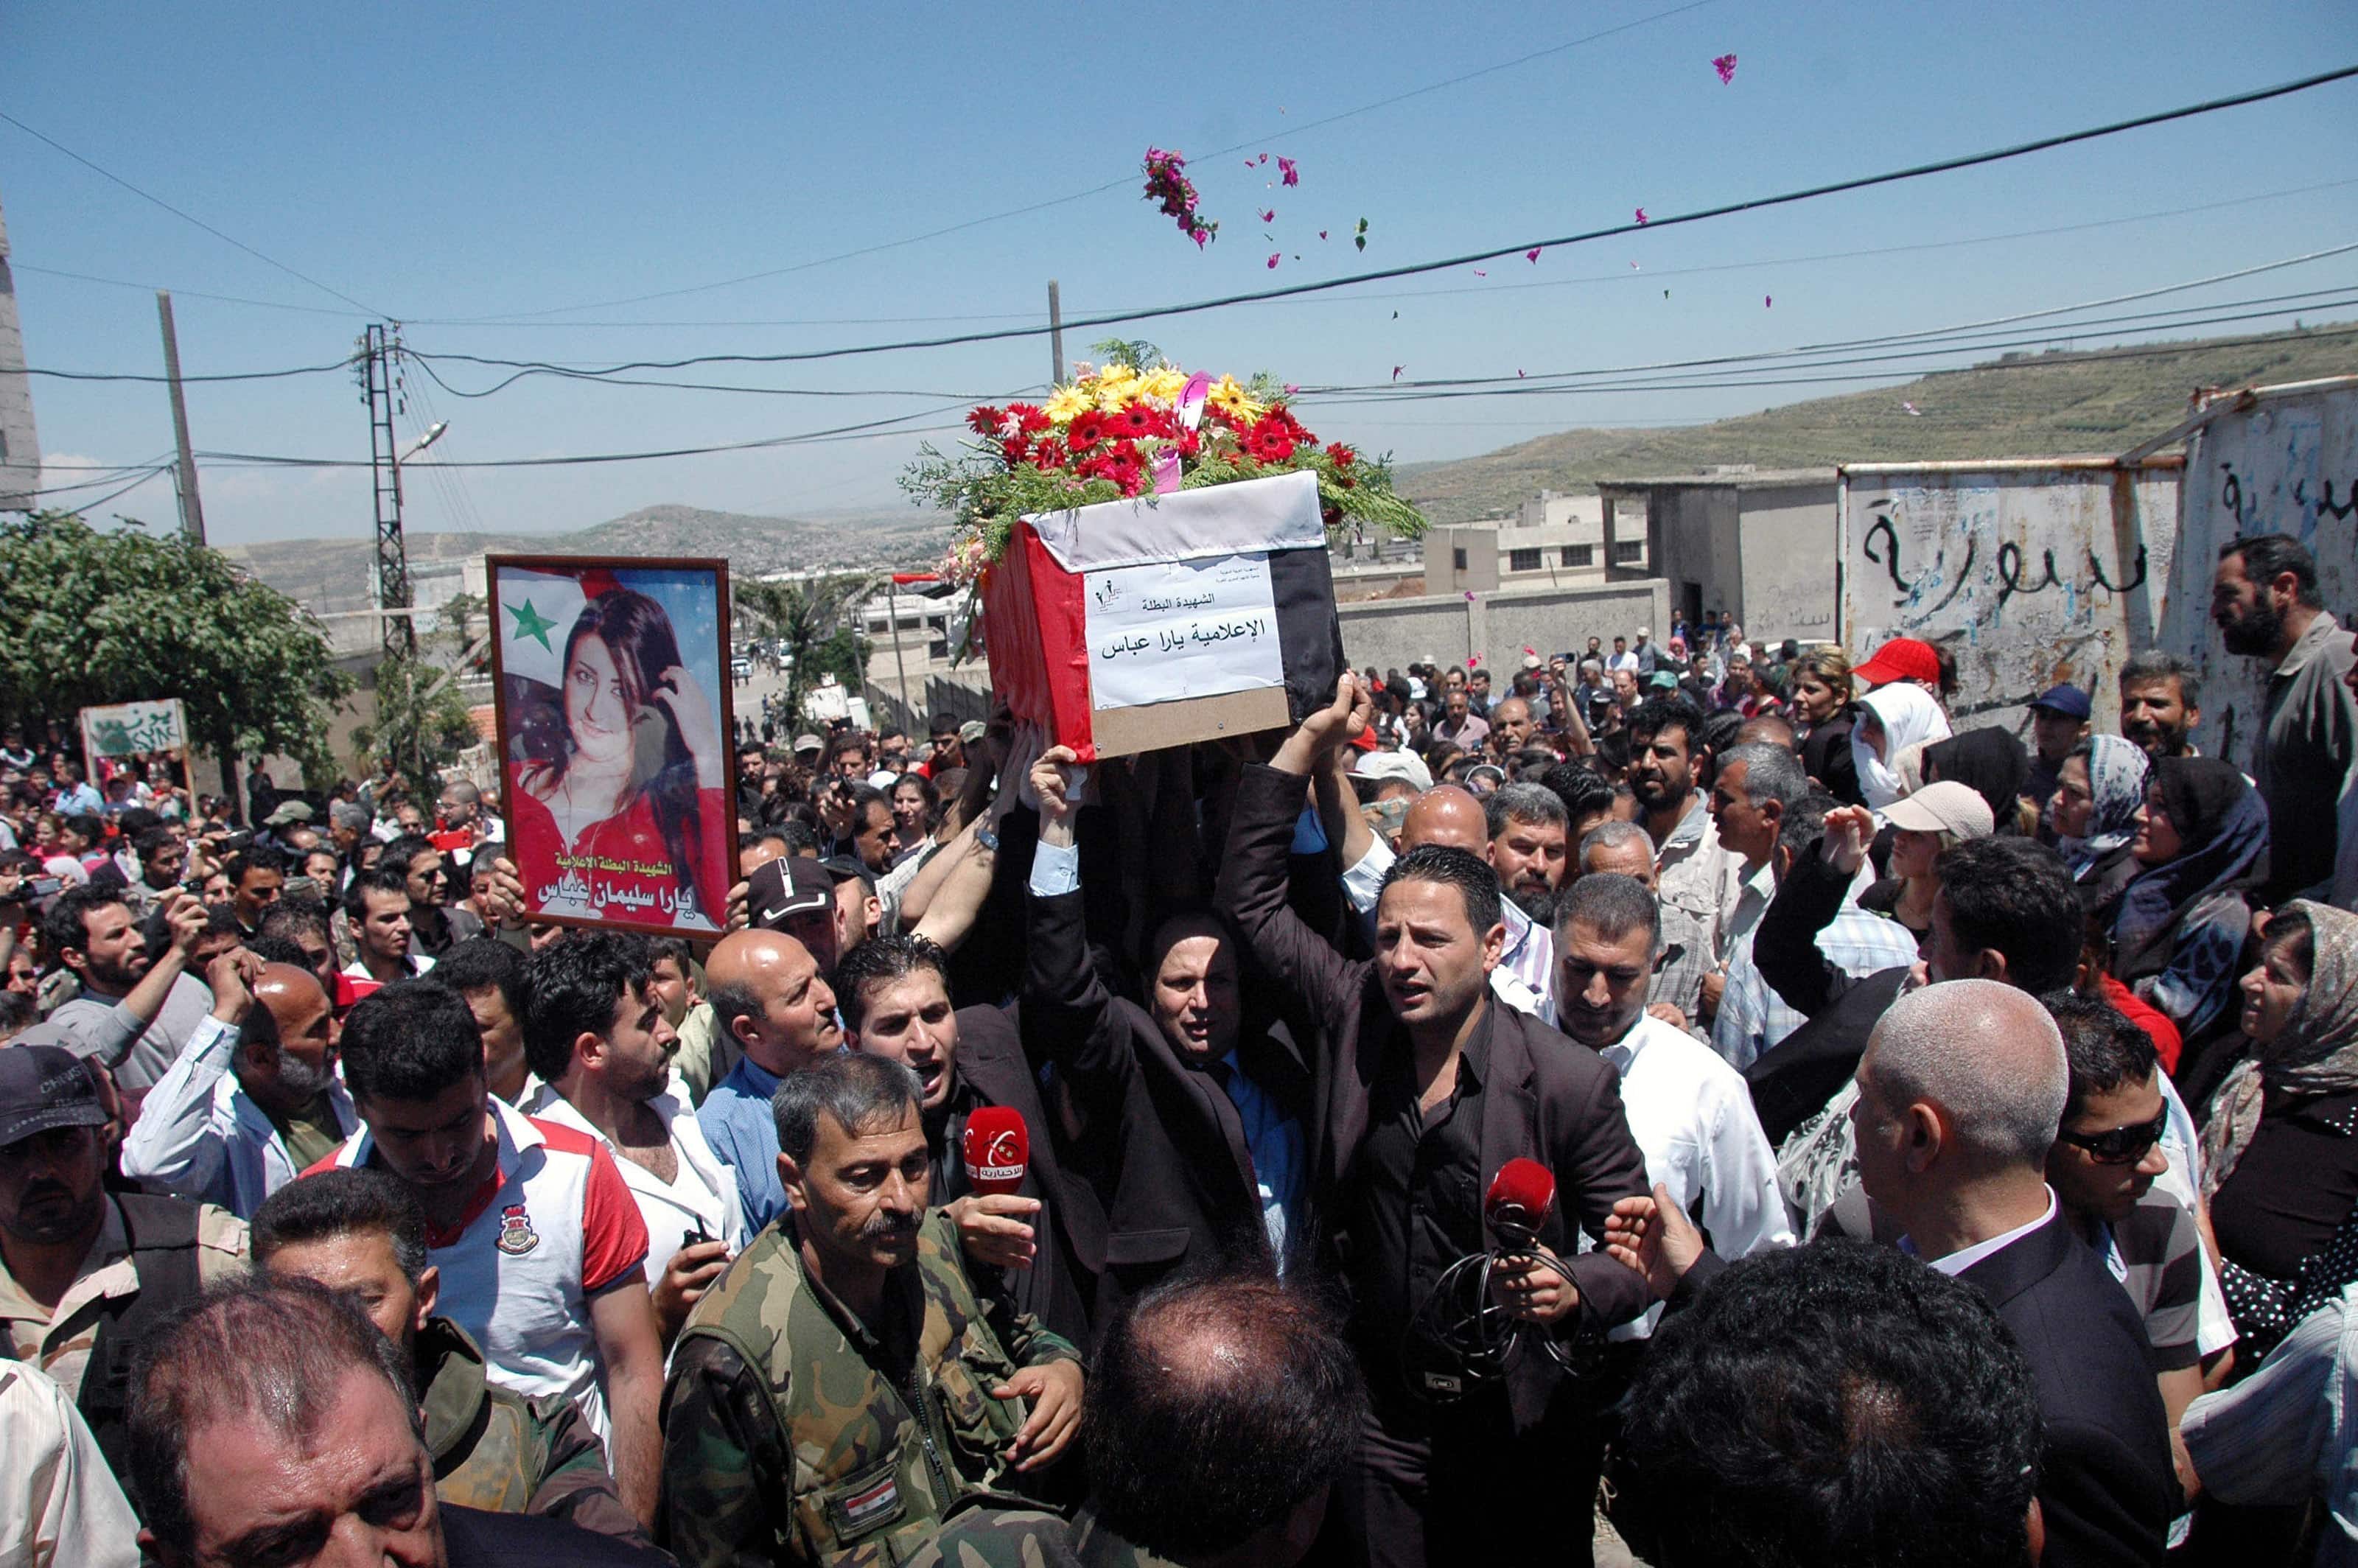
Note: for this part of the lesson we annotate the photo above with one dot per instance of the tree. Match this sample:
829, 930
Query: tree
456, 623
122, 615
422, 722
816, 623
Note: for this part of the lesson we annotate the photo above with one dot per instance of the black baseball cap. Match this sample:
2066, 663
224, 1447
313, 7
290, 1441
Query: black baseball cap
789, 889
841, 868
44, 1086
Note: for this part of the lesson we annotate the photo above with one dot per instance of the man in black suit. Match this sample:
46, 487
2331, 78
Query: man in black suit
1191, 1126
1960, 1094
894, 994
1425, 1087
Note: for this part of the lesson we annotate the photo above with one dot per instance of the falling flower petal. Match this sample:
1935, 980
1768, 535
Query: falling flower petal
1322, 234
1291, 389
1480, 273
1519, 376
1913, 411
1767, 301
1395, 375
1269, 215
1272, 258
1725, 66
1289, 171
1641, 214
1532, 256
1264, 157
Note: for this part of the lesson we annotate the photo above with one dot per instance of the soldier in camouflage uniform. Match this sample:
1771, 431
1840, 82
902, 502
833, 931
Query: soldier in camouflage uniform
493, 1449
845, 1384
1221, 1413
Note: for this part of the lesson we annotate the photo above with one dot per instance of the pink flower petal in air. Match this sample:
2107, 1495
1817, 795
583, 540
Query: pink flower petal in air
1269, 215
1532, 256
1272, 257
1264, 157
1767, 301
1291, 389
1641, 214
1725, 66
1396, 370
1480, 273
1519, 376
1322, 234
1286, 167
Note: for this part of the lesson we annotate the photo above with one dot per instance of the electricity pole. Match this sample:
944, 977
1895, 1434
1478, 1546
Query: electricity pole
1057, 333
184, 474
398, 634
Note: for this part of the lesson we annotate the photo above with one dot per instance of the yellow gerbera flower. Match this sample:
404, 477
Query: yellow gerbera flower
1066, 402
1166, 385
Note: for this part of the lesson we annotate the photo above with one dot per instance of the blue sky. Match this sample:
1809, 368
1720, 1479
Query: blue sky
440, 162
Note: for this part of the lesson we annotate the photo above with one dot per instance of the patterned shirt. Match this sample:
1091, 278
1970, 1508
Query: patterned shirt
1753, 1018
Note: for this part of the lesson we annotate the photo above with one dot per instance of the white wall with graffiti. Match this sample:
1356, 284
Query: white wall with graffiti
2027, 572
2272, 460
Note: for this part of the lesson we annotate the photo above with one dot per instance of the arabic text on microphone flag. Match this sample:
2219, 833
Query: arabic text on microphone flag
1170, 630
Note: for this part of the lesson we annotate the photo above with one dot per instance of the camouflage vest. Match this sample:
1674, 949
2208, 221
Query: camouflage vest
875, 1465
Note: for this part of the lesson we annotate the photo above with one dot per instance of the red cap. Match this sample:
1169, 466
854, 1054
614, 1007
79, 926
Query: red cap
1902, 658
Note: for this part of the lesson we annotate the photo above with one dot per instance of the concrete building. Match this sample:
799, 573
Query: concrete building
1549, 540
20, 447
1758, 544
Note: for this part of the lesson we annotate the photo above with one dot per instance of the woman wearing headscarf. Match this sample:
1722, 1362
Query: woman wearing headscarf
2092, 814
2280, 1150
2202, 839
1890, 719
1990, 763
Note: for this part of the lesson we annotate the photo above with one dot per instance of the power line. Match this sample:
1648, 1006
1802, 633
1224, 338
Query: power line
1124, 181
186, 217
1412, 269
341, 364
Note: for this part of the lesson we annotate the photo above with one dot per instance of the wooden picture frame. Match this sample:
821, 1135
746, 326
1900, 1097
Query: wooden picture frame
622, 870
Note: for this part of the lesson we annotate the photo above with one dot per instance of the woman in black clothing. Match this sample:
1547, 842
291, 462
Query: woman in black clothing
1994, 764
2280, 1150
1823, 706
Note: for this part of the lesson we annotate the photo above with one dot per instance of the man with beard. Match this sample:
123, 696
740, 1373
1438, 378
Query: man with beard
596, 1038
1668, 762
1425, 1088
253, 1099
2161, 702
435, 926
1453, 816
2263, 601
541, 1249
1528, 828
893, 992
848, 1383
137, 1011
1689, 1111
361, 1233
84, 1276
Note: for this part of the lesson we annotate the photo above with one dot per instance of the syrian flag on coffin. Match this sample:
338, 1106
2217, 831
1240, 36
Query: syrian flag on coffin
1134, 625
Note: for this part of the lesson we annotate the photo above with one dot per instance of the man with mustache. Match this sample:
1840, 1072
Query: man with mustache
845, 1384
85, 1276
2265, 601
2161, 702
253, 1099
1050, 1234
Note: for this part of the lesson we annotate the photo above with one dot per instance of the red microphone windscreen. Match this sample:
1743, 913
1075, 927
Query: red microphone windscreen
1522, 1196
996, 1147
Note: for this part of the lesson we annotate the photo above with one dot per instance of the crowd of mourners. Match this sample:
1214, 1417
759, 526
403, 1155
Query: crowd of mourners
1703, 1102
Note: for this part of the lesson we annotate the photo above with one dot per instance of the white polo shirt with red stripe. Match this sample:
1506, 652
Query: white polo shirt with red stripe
552, 1226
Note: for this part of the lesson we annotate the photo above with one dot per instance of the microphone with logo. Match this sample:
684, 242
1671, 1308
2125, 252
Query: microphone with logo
1460, 1316
997, 1147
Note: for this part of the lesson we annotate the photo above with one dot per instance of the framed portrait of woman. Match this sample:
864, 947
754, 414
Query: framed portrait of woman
611, 685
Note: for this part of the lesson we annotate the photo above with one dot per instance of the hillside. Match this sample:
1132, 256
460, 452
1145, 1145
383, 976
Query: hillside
332, 575
2042, 406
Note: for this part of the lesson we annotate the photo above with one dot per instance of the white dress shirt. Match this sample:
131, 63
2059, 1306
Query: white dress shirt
1693, 1121
61, 1506
201, 1136
1957, 1262
1525, 977
701, 1196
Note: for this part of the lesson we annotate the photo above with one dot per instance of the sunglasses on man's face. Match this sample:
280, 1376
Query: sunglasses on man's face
2122, 1145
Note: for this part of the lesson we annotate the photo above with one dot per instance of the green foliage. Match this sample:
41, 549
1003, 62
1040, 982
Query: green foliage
91, 616
1135, 352
457, 623
817, 622
421, 721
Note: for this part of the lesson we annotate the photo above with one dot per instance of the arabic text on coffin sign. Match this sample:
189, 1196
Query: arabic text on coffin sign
1181, 629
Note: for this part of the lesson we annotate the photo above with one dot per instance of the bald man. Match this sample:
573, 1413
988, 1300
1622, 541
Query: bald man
770, 1000
1453, 816
252, 1099
1959, 1095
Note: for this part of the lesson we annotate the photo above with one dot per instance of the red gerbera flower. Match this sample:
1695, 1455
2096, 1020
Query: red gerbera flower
1049, 453
1139, 420
1343, 455
1029, 418
1087, 429
986, 420
1190, 443
1269, 442
1015, 450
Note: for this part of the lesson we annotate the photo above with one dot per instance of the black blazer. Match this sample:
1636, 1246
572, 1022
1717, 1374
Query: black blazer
991, 1066
2105, 1483
1545, 1099
1793, 1080
1160, 1142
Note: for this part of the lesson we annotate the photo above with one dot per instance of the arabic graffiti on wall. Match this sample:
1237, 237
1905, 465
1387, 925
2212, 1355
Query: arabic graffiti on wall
2027, 578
